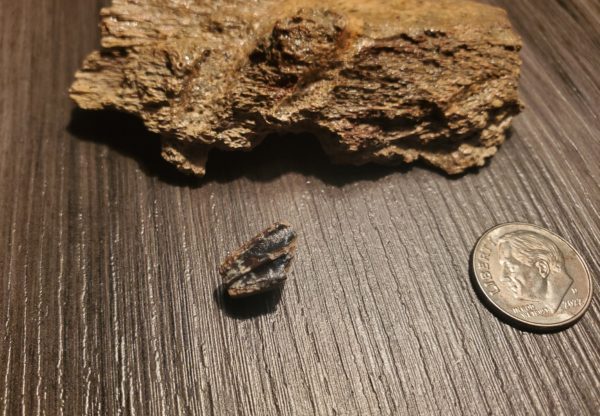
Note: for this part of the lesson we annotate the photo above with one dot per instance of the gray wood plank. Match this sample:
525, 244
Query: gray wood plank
108, 282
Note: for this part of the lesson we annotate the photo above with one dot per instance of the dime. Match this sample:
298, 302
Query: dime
531, 276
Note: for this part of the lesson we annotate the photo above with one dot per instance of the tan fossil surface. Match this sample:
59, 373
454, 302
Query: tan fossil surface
383, 81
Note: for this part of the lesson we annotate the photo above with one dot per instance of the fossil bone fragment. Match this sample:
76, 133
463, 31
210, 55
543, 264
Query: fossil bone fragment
383, 81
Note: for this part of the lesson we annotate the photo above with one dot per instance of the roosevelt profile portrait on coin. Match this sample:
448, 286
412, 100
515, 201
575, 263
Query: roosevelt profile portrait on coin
533, 267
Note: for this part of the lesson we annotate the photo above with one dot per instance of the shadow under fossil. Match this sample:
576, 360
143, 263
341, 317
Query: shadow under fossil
127, 135
250, 307
275, 156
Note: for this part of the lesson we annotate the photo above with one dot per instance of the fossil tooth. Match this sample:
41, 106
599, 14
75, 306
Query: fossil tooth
261, 263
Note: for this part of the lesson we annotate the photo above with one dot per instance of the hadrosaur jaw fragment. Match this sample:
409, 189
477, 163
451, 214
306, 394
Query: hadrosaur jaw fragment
382, 81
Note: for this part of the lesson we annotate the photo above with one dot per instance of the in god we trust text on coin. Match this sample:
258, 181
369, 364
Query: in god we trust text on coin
531, 276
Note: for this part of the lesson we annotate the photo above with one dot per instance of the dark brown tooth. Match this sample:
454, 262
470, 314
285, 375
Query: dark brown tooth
264, 278
261, 263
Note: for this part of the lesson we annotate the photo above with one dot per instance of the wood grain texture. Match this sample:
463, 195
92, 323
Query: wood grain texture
108, 283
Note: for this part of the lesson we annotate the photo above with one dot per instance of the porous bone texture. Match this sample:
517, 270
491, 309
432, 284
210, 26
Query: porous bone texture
384, 81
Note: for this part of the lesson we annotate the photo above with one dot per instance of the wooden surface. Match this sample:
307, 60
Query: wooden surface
108, 300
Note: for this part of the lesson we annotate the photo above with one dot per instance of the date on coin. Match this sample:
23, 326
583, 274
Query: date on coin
531, 276
261, 263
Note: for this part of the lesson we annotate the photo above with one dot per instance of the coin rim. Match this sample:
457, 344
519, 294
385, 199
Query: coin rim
519, 320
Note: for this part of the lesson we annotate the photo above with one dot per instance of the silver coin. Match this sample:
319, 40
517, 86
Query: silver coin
531, 276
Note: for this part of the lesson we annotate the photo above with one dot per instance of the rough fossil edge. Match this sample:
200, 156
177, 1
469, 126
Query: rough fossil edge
384, 81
